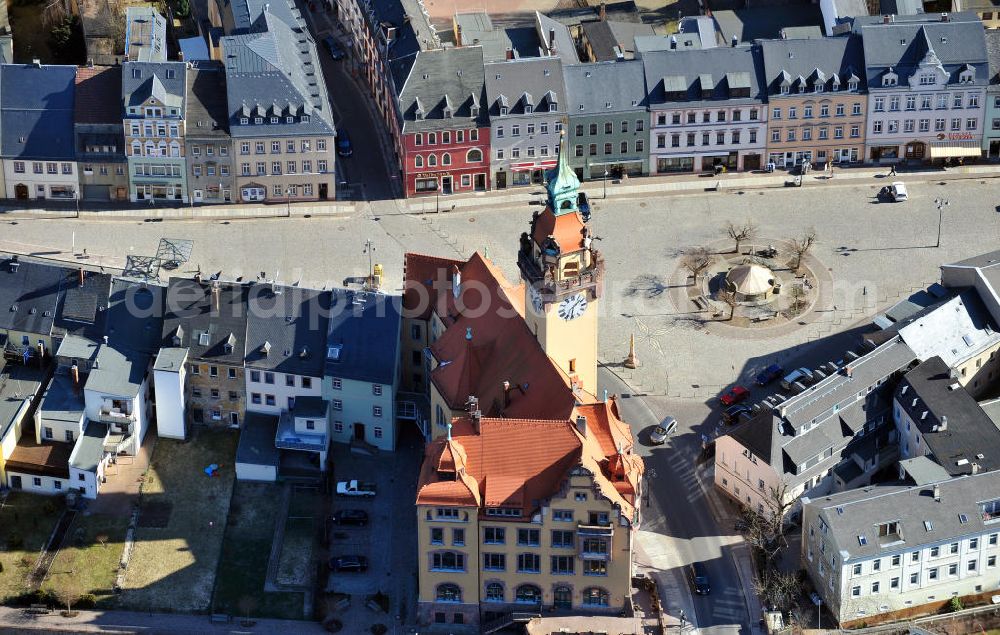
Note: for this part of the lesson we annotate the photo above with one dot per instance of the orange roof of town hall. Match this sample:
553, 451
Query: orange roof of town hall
567, 229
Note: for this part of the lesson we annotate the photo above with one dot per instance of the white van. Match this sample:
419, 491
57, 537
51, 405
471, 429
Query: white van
897, 191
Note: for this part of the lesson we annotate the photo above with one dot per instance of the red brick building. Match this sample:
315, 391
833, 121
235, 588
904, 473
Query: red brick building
445, 132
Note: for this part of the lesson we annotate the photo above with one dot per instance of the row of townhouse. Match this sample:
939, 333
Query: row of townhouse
891, 460
253, 124
528, 498
92, 362
889, 89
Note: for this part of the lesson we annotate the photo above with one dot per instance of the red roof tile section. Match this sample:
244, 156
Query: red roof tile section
420, 275
98, 95
519, 463
567, 229
487, 343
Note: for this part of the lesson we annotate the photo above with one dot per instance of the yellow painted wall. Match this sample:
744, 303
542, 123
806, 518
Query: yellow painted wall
565, 340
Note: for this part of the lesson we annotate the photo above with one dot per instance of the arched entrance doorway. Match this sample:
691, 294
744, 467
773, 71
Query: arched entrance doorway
915, 150
21, 192
562, 598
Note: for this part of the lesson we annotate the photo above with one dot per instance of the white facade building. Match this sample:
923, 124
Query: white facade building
169, 372
880, 550
31, 180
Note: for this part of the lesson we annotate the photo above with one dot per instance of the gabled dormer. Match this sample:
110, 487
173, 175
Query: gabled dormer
801, 83
707, 85
527, 103
784, 83
447, 108
552, 101
503, 105
967, 74
418, 110
835, 82
890, 78
473, 105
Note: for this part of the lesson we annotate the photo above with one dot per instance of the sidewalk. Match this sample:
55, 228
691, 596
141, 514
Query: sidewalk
236, 211
692, 183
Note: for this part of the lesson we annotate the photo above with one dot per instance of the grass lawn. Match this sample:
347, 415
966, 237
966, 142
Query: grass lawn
181, 525
26, 521
296, 559
88, 560
247, 546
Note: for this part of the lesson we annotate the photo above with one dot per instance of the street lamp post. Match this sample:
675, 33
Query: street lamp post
605, 182
370, 250
941, 204
288, 202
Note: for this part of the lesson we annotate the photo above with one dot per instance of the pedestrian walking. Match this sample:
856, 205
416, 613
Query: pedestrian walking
892, 170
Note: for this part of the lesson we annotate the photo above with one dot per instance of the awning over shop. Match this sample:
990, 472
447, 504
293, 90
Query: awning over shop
955, 149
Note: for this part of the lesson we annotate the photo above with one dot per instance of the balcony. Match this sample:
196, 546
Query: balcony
288, 438
551, 290
588, 529
114, 417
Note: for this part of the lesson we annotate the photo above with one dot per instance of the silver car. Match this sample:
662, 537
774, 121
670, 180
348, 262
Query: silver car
661, 432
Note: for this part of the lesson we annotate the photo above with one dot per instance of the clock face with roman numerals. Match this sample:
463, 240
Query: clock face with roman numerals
573, 306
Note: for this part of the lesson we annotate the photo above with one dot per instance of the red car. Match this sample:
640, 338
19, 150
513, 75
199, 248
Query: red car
735, 394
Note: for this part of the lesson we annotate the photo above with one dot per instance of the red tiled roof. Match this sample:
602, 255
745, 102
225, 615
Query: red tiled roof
420, 274
98, 95
567, 229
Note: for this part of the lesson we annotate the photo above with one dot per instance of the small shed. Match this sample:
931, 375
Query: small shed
256, 457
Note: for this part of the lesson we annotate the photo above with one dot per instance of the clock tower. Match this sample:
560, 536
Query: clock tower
563, 277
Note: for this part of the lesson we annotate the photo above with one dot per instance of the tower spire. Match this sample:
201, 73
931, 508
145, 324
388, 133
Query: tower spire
563, 185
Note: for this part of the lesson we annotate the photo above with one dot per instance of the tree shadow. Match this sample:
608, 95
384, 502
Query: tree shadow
647, 285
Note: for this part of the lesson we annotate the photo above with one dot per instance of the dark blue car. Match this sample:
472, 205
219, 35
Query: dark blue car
344, 147
331, 46
769, 374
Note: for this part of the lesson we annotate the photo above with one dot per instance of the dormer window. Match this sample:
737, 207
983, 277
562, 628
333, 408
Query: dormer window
553, 107
818, 88
447, 113
474, 111
418, 114
289, 119
835, 87
503, 111
802, 88
852, 85
304, 118
274, 120
244, 121
528, 109
784, 89
888, 81
258, 120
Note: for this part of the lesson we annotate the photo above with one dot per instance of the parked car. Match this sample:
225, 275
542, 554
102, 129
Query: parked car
801, 375
344, 147
356, 517
355, 488
732, 414
769, 374
698, 575
734, 395
897, 192
349, 564
661, 432
333, 48
583, 204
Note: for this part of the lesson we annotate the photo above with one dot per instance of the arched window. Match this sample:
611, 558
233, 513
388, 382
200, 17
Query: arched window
432, 160
494, 592
418, 161
150, 149
449, 592
136, 148
528, 594
475, 155
595, 596
445, 159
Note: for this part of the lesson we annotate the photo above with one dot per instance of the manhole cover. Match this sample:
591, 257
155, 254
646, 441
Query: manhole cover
642, 204
472, 219
341, 228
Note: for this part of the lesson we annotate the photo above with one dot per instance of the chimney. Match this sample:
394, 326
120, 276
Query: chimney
885, 19
944, 16
603, 13
581, 425
105, 339
215, 296
456, 281
74, 372
197, 277
458, 35
552, 41
37, 63
472, 404
975, 468
619, 54
506, 393
937, 493
736, 40
673, 42
477, 419
944, 423
90, 62
41, 354
509, 53
81, 276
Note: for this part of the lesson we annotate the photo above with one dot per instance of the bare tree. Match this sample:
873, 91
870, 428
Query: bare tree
69, 590
696, 260
778, 588
730, 299
740, 233
765, 526
802, 245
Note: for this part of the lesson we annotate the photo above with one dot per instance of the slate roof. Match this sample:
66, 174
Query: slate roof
591, 87
310, 406
969, 431
207, 113
60, 403
89, 449
679, 41
901, 7
163, 81
363, 338
210, 333
555, 39
17, 383
815, 61
445, 78
955, 330
98, 95
145, 35
955, 43
538, 81
725, 69
993, 57
603, 37
36, 111
117, 372
272, 71
135, 316
29, 295
170, 359
850, 515
764, 22
83, 310
293, 323
623, 11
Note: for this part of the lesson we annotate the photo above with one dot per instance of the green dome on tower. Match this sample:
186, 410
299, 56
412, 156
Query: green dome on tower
563, 185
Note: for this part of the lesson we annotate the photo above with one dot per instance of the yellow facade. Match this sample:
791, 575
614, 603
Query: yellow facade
571, 344
592, 545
